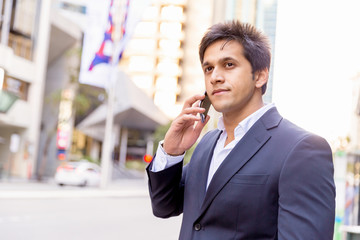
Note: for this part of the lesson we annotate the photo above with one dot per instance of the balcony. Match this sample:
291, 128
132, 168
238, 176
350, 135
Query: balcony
22, 46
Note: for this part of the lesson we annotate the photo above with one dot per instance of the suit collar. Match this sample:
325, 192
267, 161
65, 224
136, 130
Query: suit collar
271, 118
247, 123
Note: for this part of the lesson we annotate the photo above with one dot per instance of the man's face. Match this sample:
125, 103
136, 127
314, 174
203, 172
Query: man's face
228, 77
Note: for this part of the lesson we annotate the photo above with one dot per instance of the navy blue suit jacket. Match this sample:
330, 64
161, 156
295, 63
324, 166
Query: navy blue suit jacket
277, 183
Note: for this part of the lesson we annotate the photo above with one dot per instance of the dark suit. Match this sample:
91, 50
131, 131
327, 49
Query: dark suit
277, 183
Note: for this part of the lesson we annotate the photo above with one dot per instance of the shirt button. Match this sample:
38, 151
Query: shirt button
197, 227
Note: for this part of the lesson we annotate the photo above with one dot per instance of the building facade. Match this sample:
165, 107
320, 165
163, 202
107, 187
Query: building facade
161, 59
23, 49
33, 38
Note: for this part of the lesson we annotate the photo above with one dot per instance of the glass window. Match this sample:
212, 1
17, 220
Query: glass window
171, 30
16, 87
147, 29
174, 13
150, 13
167, 44
141, 64
141, 45
166, 83
23, 17
168, 67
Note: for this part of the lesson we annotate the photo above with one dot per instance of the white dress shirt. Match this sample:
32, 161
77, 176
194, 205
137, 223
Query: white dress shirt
163, 160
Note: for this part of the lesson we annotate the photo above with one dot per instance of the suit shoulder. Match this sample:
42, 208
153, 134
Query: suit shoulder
299, 134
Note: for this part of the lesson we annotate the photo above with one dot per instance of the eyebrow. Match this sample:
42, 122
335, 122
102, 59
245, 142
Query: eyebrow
225, 59
205, 64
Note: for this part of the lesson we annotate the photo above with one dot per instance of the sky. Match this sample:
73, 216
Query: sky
317, 58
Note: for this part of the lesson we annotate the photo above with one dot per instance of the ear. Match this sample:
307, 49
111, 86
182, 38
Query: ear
261, 77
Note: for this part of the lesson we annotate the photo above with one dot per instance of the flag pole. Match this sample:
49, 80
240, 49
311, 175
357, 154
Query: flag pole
108, 144
107, 147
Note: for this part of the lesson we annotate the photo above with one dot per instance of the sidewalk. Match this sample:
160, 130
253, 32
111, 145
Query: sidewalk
15, 189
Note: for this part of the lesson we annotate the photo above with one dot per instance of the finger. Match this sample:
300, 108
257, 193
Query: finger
188, 118
190, 101
185, 121
193, 110
200, 125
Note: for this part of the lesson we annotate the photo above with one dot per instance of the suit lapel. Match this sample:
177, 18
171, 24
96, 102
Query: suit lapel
253, 140
210, 144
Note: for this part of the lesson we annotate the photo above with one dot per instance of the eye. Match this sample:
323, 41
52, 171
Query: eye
229, 64
208, 69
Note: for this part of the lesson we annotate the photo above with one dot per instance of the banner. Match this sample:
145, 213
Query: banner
111, 24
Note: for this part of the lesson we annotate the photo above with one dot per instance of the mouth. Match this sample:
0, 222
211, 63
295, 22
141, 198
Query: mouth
219, 91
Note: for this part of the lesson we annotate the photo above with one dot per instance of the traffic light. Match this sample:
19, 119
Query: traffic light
148, 158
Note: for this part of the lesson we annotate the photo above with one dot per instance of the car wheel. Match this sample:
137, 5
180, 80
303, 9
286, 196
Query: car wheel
83, 184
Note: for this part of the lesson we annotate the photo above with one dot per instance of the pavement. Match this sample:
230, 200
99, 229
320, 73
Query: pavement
20, 189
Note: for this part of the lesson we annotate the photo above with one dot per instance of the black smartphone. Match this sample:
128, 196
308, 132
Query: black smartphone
205, 103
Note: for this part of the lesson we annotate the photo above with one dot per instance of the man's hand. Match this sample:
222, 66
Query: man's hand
186, 128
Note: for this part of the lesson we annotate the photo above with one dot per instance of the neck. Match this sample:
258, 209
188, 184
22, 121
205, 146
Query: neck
232, 119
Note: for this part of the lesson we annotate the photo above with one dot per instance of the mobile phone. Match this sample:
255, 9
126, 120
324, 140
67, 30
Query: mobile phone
205, 103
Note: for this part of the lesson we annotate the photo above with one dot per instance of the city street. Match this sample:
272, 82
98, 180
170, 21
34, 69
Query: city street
46, 211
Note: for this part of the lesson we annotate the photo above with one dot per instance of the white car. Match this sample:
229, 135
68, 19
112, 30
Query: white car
78, 173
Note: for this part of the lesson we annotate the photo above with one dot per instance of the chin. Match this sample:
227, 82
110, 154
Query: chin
220, 108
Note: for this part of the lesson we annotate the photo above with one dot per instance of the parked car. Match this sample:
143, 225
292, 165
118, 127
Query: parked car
81, 173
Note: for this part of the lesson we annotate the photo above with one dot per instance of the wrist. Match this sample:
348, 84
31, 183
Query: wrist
171, 152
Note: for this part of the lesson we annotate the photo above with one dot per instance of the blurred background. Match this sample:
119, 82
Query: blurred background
89, 87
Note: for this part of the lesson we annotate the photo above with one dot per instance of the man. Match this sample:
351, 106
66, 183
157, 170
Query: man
257, 176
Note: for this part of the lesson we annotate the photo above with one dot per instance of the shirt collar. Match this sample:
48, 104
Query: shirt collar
248, 122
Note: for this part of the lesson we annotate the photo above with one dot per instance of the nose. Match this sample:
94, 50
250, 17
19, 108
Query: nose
216, 76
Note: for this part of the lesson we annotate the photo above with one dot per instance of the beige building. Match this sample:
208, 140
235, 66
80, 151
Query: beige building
34, 38
162, 57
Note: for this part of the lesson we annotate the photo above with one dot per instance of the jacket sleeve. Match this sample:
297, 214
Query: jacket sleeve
166, 190
307, 192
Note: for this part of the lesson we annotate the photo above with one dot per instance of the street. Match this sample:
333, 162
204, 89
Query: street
70, 214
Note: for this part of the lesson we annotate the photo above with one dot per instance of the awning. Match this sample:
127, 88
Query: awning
133, 109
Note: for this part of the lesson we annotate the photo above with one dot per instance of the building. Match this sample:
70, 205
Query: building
161, 59
262, 14
353, 141
33, 39
162, 56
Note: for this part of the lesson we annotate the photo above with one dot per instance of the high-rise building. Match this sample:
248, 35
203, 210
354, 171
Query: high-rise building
162, 58
262, 14
162, 55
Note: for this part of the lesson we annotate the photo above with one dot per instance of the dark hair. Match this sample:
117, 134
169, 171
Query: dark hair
256, 45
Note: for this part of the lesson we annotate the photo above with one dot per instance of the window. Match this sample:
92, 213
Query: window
16, 87
73, 7
23, 17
